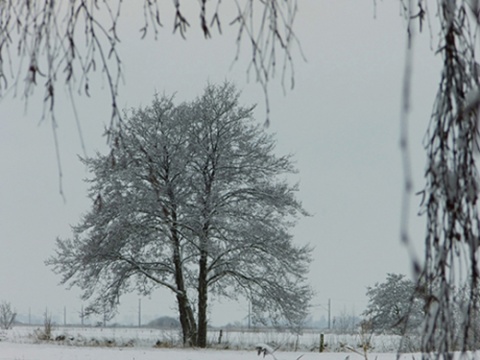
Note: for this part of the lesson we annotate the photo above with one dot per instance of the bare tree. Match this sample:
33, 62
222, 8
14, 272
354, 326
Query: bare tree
193, 200
7, 315
345, 323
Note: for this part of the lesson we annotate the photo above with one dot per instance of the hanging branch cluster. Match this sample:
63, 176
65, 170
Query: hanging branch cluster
273, 32
42, 42
450, 196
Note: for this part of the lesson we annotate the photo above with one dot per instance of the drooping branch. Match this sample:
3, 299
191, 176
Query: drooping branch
449, 199
70, 41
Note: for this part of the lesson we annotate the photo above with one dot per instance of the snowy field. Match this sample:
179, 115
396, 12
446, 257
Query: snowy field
72, 343
122, 337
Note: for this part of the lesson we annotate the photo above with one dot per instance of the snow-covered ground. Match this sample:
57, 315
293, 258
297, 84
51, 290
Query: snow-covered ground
15, 351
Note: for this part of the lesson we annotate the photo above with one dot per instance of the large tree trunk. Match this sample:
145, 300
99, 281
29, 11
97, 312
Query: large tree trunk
203, 261
187, 319
202, 271
202, 301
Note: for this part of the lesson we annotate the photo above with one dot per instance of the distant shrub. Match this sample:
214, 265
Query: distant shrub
165, 322
7, 315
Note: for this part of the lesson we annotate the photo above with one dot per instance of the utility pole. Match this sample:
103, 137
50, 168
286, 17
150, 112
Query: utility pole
139, 312
64, 316
82, 316
329, 313
104, 315
249, 314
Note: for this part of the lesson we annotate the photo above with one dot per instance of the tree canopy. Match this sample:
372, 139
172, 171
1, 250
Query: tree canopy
192, 198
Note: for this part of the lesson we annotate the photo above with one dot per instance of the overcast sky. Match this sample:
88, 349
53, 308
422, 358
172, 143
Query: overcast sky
341, 122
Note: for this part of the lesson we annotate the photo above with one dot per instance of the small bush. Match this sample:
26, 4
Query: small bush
45, 334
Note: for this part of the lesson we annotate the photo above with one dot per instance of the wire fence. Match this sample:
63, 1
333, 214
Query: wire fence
247, 339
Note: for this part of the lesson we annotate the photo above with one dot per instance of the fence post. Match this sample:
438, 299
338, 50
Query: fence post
220, 337
322, 344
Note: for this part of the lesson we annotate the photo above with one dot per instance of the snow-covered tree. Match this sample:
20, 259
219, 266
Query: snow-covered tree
394, 306
191, 198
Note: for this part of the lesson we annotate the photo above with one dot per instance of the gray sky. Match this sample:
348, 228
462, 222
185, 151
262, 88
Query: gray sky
341, 121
